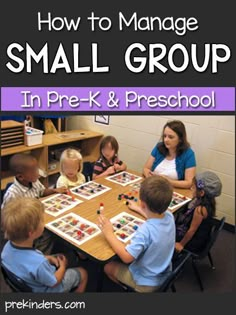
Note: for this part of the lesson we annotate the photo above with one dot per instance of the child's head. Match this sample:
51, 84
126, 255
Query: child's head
109, 147
156, 192
71, 162
23, 218
207, 183
24, 167
207, 186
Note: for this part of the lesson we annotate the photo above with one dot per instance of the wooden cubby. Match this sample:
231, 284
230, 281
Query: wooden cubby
86, 141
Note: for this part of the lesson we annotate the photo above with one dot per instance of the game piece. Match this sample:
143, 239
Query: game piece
178, 201
124, 178
98, 212
59, 203
127, 203
125, 225
80, 232
90, 190
101, 206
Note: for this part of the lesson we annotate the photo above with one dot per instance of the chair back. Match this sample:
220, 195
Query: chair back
214, 233
88, 170
14, 282
178, 265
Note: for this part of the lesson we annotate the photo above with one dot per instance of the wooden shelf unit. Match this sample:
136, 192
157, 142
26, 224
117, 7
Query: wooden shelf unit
87, 141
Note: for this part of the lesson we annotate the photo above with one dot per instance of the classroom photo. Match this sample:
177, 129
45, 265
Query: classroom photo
95, 203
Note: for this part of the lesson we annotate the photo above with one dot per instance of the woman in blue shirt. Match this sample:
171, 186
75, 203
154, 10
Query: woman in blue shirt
172, 158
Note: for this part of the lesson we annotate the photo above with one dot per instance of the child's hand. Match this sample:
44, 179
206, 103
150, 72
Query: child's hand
61, 190
105, 225
117, 167
178, 247
133, 206
53, 260
62, 260
110, 170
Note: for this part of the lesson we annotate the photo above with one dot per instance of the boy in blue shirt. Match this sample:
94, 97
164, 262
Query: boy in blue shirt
151, 249
23, 222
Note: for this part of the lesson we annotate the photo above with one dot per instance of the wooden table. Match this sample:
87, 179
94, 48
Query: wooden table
97, 247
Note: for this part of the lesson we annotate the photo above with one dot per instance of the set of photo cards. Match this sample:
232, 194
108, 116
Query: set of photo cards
178, 201
73, 227
90, 190
124, 178
125, 225
60, 203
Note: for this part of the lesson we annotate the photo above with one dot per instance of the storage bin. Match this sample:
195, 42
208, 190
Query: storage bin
33, 136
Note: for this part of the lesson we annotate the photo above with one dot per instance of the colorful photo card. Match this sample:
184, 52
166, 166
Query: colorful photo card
73, 227
60, 203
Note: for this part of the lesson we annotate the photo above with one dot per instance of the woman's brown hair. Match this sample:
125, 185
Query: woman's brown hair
178, 127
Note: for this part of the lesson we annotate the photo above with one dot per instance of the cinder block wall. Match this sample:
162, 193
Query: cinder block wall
211, 137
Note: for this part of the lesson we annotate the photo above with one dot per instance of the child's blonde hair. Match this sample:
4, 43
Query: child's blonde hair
21, 216
71, 154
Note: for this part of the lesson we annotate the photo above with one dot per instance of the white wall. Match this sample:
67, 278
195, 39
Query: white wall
211, 137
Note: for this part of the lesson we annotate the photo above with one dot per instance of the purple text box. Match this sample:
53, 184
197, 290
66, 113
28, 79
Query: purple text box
115, 99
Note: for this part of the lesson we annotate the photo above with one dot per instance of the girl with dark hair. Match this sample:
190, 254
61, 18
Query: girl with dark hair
194, 224
108, 162
172, 158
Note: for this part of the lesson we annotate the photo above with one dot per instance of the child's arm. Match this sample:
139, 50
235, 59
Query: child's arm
59, 274
120, 167
52, 260
197, 219
118, 247
50, 191
134, 207
107, 172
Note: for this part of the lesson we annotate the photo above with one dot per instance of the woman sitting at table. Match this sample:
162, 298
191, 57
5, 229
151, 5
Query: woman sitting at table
172, 158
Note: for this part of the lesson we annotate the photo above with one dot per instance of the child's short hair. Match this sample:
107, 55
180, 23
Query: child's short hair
18, 162
157, 193
72, 154
21, 216
112, 140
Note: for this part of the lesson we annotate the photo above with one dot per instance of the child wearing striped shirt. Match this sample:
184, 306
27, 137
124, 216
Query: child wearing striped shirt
108, 163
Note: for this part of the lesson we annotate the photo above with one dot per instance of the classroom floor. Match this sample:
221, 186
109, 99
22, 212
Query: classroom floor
215, 281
